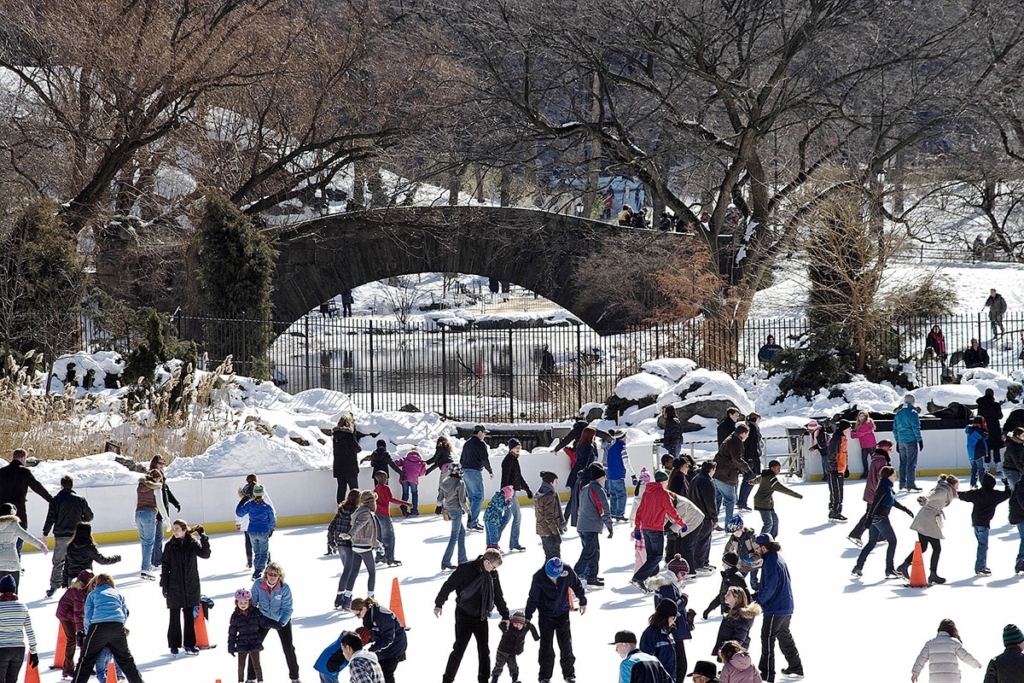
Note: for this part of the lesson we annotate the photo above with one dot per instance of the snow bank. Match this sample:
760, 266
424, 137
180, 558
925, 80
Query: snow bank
672, 369
245, 452
639, 387
88, 472
707, 383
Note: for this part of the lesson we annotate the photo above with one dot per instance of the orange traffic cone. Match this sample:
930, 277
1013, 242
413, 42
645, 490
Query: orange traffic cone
58, 654
111, 672
917, 575
572, 603
202, 639
31, 672
396, 601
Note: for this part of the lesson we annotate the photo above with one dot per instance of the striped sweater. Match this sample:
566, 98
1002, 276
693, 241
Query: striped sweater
15, 625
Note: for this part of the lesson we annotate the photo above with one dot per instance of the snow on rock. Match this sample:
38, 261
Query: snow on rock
1000, 384
245, 452
641, 386
870, 396
672, 369
88, 472
944, 394
707, 383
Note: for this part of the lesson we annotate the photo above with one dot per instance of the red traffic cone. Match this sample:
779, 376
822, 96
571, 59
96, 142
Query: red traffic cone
202, 639
111, 672
32, 672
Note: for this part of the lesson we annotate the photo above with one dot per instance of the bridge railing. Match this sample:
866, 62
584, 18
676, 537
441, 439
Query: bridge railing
522, 375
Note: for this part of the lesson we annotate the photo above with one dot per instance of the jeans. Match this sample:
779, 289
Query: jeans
387, 536
158, 541
590, 556
364, 557
466, 627
260, 548
11, 659
474, 481
997, 326
881, 528
103, 665
515, 514
654, 543
145, 521
551, 628
409, 488
724, 493
745, 488
908, 465
865, 461
616, 496
458, 537
769, 523
981, 561
977, 471
1020, 546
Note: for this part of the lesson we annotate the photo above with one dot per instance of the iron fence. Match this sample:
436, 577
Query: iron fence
521, 375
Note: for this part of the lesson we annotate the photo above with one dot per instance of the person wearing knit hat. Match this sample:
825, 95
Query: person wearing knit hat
644, 476
658, 638
594, 514
618, 467
549, 597
677, 565
906, 432
513, 639
668, 587
661, 476
655, 505
731, 576
1008, 667
547, 512
512, 477
381, 460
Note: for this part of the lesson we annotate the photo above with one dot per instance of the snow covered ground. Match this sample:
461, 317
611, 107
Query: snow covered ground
846, 630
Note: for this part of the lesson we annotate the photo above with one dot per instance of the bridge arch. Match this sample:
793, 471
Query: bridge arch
536, 249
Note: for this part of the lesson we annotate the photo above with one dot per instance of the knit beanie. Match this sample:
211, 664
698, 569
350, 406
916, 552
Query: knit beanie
548, 477
661, 475
381, 443
677, 565
512, 443
1011, 634
518, 617
7, 585
597, 471
507, 491
553, 568
645, 476
258, 491
730, 559
667, 608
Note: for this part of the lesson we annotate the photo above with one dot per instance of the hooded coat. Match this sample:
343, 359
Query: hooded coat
928, 520
943, 654
548, 511
737, 629
740, 669
81, 553
179, 572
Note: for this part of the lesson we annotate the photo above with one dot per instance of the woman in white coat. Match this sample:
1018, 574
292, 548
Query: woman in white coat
943, 654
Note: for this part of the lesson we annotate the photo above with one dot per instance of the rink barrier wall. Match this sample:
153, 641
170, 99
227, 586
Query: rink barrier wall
299, 498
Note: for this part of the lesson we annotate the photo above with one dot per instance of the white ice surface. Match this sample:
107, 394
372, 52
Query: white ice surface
846, 630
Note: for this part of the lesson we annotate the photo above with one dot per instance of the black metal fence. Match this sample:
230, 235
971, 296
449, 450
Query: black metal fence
516, 374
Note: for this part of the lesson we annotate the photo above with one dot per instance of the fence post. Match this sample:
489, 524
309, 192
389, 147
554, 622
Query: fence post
309, 350
372, 397
511, 378
979, 329
245, 349
579, 369
444, 375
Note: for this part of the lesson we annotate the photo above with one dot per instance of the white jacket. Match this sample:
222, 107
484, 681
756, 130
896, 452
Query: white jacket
942, 654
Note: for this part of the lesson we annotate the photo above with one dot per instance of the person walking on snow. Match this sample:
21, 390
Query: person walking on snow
618, 465
549, 597
943, 654
512, 475
906, 430
476, 458
66, 510
838, 470
996, 305
984, 502
650, 523
594, 514
776, 600
878, 513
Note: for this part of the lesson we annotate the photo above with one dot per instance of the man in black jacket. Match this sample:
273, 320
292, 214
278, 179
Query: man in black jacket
1009, 666
728, 425
67, 509
477, 591
475, 458
702, 493
549, 596
976, 356
512, 475
15, 481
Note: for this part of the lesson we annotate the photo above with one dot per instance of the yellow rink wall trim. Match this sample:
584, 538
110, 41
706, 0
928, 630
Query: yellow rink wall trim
919, 474
131, 535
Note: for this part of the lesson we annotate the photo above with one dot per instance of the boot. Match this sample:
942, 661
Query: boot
904, 569
935, 578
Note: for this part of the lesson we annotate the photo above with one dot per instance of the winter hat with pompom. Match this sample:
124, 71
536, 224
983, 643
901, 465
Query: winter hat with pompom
677, 565
553, 568
1011, 634
645, 476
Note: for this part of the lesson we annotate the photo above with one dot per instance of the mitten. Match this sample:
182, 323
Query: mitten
637, 535
177, 507
231, 651
33, 659
635, 480
846, 473
691, 615
529, 494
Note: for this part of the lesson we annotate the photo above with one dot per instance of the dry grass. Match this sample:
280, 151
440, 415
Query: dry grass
184, 418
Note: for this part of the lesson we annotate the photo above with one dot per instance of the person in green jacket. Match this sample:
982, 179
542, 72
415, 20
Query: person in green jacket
764, 498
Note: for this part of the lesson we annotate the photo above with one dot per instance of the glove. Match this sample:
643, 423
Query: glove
33, 660
637, 535
909, 513
529, 494
200, 530
920, 445
705, 615
609, 532
276, 625
846, 473
683, 528
231, 651
177, 507
635, 480
115, 558
80, 638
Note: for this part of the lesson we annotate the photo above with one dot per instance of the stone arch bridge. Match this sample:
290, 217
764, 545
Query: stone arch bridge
539, 250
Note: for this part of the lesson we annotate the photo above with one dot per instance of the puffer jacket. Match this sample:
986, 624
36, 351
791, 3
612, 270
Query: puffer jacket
262, 517
71, 607
977, 442
363, 533
82, 552
690, 513
244, 631
928, 520
104, 604
729, 461
943, 654
838, 459
452, 494
10, 532
739, 669
594, 509
380, 461
548, 511
274, 603
776, 592
865, 435
737, 629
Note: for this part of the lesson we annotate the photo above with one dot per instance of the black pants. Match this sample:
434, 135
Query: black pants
551, 628
106, 634
936, 551
466, 627
552, 546
174, 628
772, 629
702, 544
671, 544
248, 549
681, 666
347, 482
835, 493
11, 659
285, 633
500, 660
863, 524
387, 667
